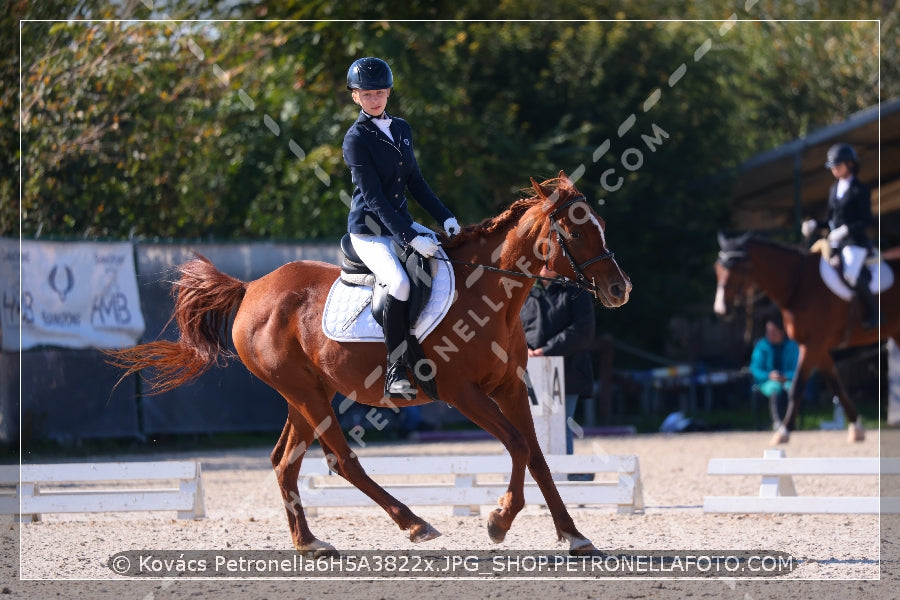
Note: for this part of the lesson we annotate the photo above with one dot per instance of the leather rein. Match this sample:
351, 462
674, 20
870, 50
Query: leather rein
581, 281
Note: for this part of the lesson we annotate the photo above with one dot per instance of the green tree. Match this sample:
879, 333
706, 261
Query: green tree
223, 130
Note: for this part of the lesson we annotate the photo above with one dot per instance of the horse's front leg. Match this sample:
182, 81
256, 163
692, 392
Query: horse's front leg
805, 363
482, 410
513, 402
508, 418
345, 462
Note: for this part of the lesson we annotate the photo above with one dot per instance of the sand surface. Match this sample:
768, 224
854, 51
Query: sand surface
836, 555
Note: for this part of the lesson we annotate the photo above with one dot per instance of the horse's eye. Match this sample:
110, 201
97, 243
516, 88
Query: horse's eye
576, 235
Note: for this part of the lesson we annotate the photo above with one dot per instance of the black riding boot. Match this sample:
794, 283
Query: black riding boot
396, 329
867, 300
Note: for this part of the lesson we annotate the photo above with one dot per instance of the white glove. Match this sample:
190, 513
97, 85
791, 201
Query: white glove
838, 234
808, 227
424, 245
451, 226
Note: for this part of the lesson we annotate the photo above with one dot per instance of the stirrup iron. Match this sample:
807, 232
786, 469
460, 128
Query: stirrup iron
396, 382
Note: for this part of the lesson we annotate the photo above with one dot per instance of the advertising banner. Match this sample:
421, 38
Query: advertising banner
72, 294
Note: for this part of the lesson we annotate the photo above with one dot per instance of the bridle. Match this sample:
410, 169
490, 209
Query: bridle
730, 260
578, 268
731, 256
581, 281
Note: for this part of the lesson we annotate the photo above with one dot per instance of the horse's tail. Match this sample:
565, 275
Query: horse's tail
205, 299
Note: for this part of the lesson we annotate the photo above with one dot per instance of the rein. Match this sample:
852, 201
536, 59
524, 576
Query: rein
492, 269
581, 281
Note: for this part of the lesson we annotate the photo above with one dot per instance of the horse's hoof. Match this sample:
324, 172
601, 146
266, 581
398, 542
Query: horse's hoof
781, 436
856, 432
589, 550
318, 549
495, 532
423, 534
579, 546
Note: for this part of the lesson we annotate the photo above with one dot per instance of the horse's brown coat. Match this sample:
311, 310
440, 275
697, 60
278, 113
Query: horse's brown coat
813, 316
478, 349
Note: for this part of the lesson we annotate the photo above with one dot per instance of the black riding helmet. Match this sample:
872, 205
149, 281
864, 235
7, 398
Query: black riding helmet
840, 153
369, 73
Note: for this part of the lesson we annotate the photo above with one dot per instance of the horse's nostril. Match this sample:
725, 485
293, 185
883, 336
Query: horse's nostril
616, 290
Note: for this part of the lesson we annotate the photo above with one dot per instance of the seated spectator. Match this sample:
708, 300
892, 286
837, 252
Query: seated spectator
772, 366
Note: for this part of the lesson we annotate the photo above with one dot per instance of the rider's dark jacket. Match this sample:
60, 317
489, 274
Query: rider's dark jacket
854, 210
560, 319
382, 170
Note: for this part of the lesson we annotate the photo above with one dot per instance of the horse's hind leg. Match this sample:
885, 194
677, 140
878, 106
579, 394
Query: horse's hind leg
855, 431
286, 458
345, 462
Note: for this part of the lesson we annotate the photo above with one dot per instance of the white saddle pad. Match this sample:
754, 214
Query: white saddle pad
348, 316
882, 278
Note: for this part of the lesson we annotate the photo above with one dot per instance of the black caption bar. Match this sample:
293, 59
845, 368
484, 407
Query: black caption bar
451, 563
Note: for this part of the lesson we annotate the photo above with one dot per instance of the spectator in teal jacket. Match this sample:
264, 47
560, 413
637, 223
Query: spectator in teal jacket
772, 366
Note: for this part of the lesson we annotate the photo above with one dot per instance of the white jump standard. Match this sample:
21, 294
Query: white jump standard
778, 494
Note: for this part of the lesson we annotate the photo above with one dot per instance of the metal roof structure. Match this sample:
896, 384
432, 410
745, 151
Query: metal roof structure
777, 189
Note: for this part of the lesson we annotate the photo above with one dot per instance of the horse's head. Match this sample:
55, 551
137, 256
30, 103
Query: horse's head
733, 273
576, 242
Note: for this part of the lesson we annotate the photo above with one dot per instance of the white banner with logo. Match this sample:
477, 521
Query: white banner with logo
73, 294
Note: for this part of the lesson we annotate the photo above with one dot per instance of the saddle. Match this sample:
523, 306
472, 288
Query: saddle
354, 272
881, 276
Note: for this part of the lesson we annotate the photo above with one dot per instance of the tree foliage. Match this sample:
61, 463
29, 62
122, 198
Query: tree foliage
174, 129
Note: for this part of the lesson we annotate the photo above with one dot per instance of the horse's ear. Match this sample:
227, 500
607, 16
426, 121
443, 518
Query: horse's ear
723, 241
742, 241
540, 190
564, 180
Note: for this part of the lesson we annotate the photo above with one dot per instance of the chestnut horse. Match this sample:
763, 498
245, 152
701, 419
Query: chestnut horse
479, 349
817, 319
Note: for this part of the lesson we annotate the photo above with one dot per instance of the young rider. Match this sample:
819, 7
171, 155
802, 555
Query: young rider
379, 151
849, 215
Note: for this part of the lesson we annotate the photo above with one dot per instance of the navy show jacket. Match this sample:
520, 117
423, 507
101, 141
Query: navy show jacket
382, 170
854, 210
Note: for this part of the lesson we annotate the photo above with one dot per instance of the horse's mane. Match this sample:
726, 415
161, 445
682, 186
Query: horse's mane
492, 224
511, 214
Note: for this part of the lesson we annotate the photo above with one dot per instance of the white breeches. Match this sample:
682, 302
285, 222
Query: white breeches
854, 258
376, 252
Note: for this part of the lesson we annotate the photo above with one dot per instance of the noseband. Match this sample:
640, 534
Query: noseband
577, 268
